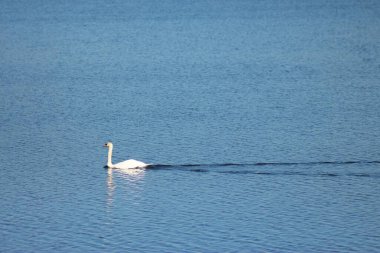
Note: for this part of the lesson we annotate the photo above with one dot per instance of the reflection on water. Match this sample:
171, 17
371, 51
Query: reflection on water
110, 188
131, 176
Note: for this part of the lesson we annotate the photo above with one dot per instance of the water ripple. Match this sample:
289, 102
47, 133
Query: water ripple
273, 169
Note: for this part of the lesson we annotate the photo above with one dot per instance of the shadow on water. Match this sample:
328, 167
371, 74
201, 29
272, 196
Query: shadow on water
257, 168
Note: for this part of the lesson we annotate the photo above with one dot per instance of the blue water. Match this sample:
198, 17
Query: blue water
262, 119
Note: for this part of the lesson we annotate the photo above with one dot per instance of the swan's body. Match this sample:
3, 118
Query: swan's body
128, 164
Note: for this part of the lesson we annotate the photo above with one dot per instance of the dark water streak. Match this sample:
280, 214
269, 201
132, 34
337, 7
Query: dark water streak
155, 166
241, 168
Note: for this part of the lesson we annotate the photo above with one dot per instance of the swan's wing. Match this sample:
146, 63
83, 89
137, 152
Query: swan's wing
130, 164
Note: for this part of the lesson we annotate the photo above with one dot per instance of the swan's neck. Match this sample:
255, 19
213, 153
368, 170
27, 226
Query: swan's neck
109, 161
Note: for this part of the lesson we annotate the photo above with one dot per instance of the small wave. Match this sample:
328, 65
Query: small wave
163, 166
257, 168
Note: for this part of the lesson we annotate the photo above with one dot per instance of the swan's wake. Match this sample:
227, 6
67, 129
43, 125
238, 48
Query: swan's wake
271, 168
159, 166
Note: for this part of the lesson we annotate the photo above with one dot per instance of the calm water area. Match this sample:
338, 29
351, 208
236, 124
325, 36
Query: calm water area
262, 120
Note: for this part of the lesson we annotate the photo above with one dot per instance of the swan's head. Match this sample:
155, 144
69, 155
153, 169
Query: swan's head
108, 144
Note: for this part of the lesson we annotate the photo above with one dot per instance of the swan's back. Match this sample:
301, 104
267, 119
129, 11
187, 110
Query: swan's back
130, 164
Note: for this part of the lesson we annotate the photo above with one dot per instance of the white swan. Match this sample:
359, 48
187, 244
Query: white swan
128, 164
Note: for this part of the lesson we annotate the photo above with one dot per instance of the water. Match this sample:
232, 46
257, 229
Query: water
262, 118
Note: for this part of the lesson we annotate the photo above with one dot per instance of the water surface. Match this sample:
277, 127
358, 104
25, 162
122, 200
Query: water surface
262, 118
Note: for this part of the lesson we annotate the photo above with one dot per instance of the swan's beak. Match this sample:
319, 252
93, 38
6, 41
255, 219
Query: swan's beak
105, 145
